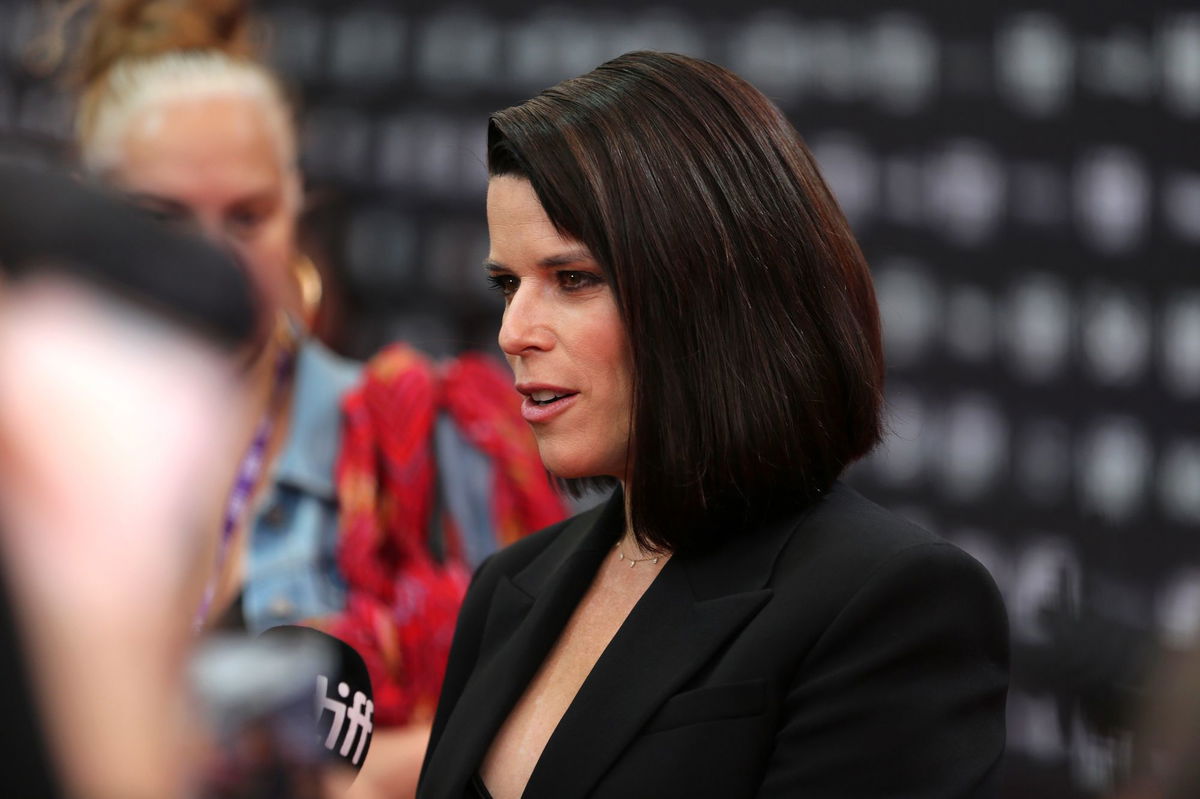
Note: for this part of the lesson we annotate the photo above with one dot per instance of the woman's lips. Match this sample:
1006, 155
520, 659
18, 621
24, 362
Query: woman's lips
538, 412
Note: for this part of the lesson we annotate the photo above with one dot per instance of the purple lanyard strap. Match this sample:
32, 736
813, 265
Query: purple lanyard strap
249, 470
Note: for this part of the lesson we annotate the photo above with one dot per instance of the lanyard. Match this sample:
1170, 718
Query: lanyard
249, 470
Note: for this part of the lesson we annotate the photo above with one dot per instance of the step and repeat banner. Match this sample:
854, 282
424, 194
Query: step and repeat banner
1025, 180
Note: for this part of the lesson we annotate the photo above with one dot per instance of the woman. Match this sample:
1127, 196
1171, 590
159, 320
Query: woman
333, 505
688, 315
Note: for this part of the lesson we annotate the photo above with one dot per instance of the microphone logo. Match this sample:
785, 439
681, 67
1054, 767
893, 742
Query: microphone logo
354, 716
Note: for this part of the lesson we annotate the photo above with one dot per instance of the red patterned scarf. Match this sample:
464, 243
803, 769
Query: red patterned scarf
402, 603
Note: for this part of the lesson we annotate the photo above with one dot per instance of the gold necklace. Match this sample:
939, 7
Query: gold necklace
634, 561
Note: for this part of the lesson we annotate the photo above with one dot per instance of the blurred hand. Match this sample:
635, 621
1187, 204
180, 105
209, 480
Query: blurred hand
110, 425
110, 437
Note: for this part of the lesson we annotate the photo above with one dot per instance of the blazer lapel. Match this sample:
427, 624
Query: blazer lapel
528, 613
696, 605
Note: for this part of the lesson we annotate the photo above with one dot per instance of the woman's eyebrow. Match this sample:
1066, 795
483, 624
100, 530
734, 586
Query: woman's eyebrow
561, 259
147, 198
256, 197
568, 257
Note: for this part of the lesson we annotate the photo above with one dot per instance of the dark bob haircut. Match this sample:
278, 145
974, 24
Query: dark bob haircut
749, 308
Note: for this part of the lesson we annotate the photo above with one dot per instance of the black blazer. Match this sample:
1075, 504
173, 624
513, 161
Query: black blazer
840, 653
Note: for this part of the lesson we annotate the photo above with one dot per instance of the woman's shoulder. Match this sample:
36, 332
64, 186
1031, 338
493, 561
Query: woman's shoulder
314, 435
850, 541
861, 522
322, 378
315, 358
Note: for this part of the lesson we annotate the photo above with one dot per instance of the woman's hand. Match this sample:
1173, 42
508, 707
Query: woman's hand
110, 429
391, 768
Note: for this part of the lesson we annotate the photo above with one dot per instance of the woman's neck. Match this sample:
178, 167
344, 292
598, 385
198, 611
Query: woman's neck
628, 542
263, 372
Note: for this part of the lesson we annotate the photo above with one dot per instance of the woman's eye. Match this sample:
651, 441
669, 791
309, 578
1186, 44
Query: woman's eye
164, 214
505, 284
572, 280
244, 222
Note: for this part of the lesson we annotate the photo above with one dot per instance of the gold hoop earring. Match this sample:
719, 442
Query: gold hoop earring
308, 280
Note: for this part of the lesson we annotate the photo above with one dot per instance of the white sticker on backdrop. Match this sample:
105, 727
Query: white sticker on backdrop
457, 51
1179, 45
1112, 199
662, 29
1035, 63
1179, 481
1045, 574
974, 447
772, 52
1114, 460
839, 64
904, 56
910, 307
1038, 326
1180, 344
554, 45
1177, 609
367, 47
1116, 334
901, 457
965, 188
852, 172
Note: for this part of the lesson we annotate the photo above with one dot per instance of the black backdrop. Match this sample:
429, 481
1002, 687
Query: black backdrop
1024, 178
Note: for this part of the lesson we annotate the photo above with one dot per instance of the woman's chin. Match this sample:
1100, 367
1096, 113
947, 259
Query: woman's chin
272, 328
563, 473
576, 457
250, 354
574, 469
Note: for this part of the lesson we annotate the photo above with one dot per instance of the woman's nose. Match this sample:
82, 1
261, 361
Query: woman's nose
211, 228
216, 232
527, 324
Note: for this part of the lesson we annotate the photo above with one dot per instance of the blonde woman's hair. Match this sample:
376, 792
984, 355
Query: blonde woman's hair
137, 54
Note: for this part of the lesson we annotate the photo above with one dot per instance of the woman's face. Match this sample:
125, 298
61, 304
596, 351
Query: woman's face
563, 337
215, 162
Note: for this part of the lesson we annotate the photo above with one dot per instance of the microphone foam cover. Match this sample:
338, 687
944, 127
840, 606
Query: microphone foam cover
344, 706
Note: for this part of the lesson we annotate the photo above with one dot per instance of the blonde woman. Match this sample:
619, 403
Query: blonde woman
175, 110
